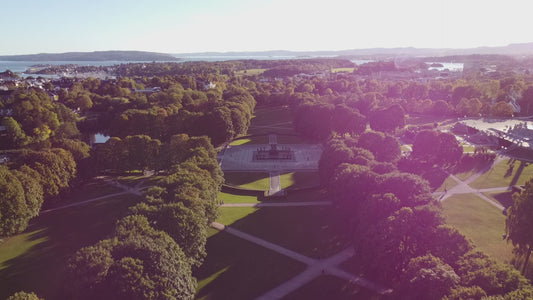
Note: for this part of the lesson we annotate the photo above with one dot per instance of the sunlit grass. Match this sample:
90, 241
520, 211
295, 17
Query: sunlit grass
505, 173
479, 221
36, 259
259, 181
238, 269
229, 215
315, 231
231, 198
250, 72
343, 70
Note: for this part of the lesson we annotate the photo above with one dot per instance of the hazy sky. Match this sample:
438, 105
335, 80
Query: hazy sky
178, 26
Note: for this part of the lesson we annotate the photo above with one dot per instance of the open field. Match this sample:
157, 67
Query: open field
271, 119
259, 139
35, 260
342, 70
331, 287
314, 231
231, 198
92, 189
480, 222
259, 181
238, 269
250, 72
506, 173
294, 180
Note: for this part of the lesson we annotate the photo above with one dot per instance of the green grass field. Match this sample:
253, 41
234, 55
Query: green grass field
250, 72
89, 190
506, 173
34, 261
314, 231
260, 139
331, 287
271, 119
480, 222
342, 70
231, 198
259, 181
230, 215
295, 180
447, 184
238, 269
292, 139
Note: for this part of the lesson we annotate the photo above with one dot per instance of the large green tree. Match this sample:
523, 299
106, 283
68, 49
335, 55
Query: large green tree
519, 222
139, 262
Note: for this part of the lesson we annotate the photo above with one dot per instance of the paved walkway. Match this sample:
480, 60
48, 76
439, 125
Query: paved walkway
315, 267
463, 187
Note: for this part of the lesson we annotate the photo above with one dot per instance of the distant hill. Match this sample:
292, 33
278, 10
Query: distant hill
93, 56
524, 49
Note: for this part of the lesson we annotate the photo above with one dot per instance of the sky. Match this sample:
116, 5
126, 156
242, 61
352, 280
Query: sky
183, 26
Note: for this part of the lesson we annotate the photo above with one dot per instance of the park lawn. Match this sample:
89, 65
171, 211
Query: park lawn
229, 215
152, 180
35, 260
315, 231
342, 70
292, 139
271, 119
130, 180
295, 180
505, 198
259, 139
468, 149
250, 72
463, 172
93, 189
507, 172
266, 116
259, 181
332, 287
447, 184
231, 198
479, 221
238, 269
313, 194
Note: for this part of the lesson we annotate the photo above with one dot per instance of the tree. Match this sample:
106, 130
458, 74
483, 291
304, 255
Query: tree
184, 225
348, 120
502, 109
427, 277
477, 269
518, 222
16, 136
384, 146
14, 213
412, 190
24, 296
470, 107
33, 191
138, 263
389, 119
435, 147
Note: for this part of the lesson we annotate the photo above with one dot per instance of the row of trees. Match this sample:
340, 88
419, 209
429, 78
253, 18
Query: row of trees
153, 250
398, 231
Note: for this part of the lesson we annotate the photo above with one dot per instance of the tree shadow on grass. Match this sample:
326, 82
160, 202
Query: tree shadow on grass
504, 198
41, 269
238, 269
331, 287
314, 231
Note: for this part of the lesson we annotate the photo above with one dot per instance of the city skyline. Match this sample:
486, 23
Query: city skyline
182, 26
